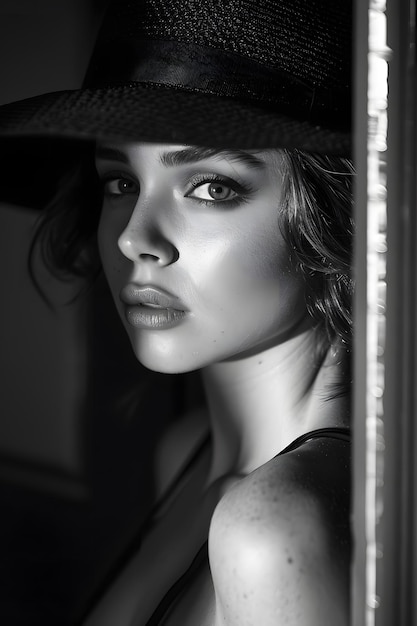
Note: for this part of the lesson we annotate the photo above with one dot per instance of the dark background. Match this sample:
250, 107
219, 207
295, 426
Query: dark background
80, 418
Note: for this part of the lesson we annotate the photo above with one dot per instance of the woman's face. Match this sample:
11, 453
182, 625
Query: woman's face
193, 254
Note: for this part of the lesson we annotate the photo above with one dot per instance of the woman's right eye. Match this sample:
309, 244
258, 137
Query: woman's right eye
119, 186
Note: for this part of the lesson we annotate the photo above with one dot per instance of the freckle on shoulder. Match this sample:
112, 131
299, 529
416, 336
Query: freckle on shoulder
270, 497
283, 499
272, 538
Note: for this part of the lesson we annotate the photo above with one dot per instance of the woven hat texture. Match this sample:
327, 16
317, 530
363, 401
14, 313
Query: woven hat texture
236, 73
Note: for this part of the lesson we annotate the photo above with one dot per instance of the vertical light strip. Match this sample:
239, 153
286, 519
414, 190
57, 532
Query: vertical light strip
378, 54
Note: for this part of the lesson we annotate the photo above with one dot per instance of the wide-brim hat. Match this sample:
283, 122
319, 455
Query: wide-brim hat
222, 73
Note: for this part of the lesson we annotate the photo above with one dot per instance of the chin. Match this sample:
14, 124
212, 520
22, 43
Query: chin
163, 366
159, 359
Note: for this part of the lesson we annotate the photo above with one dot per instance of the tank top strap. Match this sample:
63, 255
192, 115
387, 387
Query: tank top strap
343, 434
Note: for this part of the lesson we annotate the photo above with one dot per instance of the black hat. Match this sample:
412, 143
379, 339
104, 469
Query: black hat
235, 73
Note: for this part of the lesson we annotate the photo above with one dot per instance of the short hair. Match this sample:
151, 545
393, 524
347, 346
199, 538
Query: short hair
317, 222
315, 217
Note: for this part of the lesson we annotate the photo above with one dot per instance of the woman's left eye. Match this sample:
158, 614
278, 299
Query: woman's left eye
119, 186
214, 191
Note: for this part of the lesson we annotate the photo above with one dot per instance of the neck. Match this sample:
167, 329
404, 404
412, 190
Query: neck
260, 403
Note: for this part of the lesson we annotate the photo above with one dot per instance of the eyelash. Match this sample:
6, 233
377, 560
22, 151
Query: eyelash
242, 193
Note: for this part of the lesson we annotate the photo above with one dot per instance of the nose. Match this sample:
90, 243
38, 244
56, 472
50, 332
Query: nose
144, 241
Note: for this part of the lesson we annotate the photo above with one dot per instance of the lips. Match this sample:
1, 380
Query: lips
135, 295
151, 307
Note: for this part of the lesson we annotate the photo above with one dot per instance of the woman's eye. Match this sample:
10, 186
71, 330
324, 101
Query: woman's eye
213, 192
120, 186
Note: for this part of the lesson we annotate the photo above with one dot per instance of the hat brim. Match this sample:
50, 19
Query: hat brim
156, 113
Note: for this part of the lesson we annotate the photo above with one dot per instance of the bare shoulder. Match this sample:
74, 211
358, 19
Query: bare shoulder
280, 541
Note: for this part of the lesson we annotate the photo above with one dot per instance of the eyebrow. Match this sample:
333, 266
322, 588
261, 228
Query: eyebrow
185, 156
196, 153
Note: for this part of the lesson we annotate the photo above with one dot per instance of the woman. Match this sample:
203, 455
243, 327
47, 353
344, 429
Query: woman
222, 209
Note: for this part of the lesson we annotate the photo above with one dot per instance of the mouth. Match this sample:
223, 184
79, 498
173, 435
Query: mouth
151, 307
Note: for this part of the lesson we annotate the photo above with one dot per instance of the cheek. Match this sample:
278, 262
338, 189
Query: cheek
268, 276
241, 261
248, 281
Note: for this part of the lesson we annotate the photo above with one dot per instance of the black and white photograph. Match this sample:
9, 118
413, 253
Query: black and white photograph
208, 349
